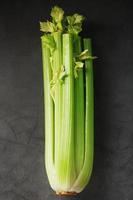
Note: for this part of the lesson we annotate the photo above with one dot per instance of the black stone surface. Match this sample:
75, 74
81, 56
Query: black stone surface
22, 174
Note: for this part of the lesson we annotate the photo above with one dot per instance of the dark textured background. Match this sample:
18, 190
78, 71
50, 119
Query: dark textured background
110, 24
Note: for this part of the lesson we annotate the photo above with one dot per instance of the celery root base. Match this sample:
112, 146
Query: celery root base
66, 193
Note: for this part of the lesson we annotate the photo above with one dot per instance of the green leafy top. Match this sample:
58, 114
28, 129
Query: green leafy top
75, 23
56, 25
47, 27
61, 23
57, 14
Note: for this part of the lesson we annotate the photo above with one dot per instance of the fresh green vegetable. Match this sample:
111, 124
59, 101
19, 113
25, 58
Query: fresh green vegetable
68, 102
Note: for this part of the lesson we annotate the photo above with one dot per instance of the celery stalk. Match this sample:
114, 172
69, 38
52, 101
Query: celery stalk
49, 116
78, 110
67, 138
57, 64
85, 173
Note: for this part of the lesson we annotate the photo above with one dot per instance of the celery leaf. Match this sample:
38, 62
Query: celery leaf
47, 27
57, 14
75, 23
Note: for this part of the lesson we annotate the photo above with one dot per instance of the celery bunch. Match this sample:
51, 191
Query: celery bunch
68, 100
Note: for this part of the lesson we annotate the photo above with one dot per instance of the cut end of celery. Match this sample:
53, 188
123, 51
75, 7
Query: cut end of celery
66, 193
